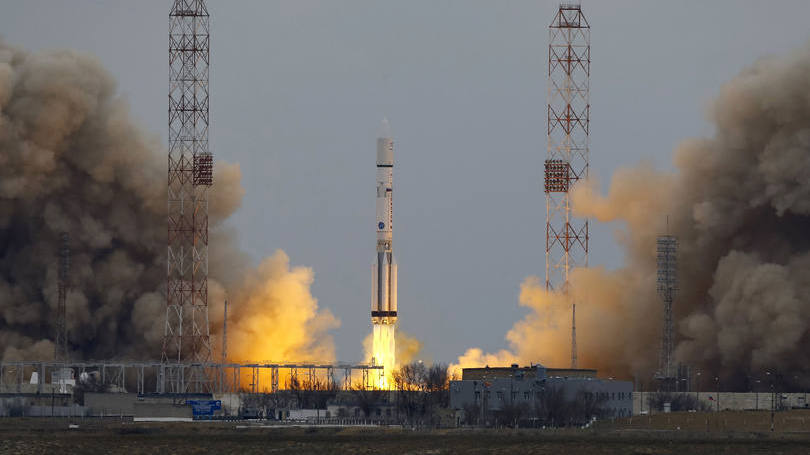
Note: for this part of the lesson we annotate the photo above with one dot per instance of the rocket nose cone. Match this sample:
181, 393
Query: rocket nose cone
385, 129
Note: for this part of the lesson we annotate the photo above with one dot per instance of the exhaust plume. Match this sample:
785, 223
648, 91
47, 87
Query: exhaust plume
72, 159
739, 203
408, 348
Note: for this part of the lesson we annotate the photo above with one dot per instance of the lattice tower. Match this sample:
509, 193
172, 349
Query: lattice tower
186, 334
569, 67
60, 347
667, 248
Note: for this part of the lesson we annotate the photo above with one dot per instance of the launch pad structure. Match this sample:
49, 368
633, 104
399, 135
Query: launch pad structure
151, 376
569, 68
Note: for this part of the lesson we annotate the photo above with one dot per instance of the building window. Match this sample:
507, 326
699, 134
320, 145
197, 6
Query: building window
526, 396
514, 396
477, 396
500, 396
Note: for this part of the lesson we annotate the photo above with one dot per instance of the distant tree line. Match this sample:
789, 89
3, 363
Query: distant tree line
550, 408
420, 391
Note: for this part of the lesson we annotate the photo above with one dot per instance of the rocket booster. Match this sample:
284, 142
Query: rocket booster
384, 270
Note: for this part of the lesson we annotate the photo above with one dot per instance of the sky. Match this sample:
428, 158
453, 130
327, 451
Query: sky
299, 88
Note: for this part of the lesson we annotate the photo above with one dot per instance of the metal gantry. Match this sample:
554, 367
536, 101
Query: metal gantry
569, 67
151, 376
667, 285
186, 334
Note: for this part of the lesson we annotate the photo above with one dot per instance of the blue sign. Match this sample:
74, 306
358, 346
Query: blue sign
204, 407
381, 225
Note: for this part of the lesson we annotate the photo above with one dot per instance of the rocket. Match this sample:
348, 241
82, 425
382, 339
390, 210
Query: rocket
384, 270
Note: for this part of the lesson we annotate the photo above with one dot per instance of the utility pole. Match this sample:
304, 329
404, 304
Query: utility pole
224, 356
225, 334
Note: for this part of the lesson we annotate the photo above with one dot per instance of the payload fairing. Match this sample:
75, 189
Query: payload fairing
384, 270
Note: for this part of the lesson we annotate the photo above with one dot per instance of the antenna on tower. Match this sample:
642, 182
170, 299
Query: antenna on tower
569, 68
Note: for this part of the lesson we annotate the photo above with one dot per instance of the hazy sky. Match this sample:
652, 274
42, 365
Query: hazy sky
299, 88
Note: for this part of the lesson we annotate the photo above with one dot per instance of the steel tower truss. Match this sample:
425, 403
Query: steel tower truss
667, 248
186, 334
569, 67
60, 347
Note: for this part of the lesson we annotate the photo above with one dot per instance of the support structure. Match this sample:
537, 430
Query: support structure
60, 347
145, 377
186, 334
569, 67
667, 248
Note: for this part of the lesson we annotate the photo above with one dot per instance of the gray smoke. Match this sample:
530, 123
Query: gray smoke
72, 160
739, 203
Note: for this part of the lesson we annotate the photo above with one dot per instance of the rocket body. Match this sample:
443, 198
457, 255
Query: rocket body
384, 270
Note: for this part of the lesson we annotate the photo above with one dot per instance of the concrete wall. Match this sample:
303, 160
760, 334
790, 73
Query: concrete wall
33, 388
730, 400
162, 409
131, 404
56, 411
231, 403
106, 404
20, 404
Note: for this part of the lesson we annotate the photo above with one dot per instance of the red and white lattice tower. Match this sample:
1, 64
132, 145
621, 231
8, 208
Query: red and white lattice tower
186, 334
569, 67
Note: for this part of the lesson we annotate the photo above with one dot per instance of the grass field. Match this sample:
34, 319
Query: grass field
796, 421
33, 436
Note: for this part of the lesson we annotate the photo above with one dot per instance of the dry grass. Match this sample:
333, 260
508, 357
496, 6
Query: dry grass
32, 436
796, 421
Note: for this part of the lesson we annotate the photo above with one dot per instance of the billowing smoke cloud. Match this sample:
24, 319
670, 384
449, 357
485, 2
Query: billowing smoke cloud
274, 303
71, 159
739, 203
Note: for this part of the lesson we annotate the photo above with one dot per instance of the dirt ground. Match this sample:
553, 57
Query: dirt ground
34, 436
